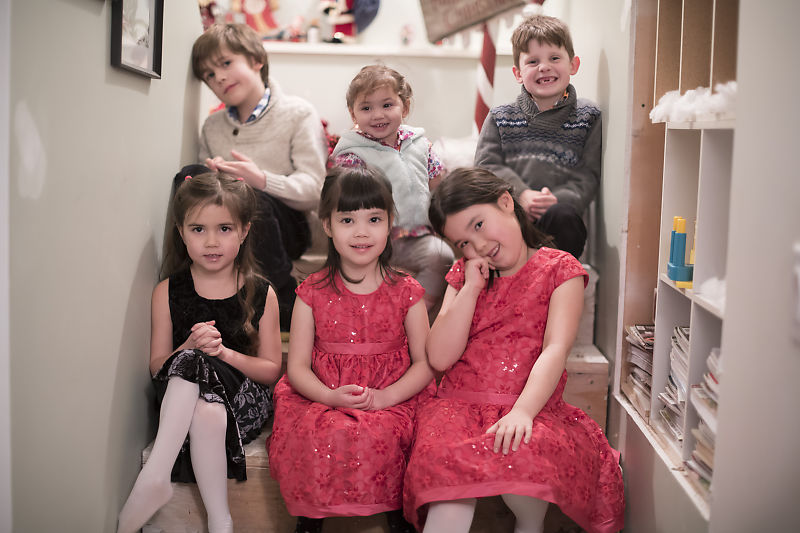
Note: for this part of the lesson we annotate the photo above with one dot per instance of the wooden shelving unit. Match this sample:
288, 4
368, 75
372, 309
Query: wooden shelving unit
694, 45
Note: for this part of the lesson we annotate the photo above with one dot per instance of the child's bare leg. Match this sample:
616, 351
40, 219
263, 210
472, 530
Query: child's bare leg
210, 464
454, 516
152, 488
528, 511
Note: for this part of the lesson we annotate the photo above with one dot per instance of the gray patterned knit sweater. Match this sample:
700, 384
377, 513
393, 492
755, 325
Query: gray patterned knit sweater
558, 148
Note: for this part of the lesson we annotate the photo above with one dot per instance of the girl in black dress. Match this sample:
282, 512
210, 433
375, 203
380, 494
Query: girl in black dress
214, 348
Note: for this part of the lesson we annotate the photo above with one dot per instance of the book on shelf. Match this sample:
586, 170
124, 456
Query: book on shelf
704, 397
697, 478
642, 335
704, 454
637, 384
673, 422
702, 433
679, 362
640, 358
681, 338
705, 405
639, 400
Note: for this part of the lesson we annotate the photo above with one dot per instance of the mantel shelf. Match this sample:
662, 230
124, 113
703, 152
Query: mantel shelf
362, 50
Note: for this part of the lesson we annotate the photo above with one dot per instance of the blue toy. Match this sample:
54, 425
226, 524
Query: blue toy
677, 269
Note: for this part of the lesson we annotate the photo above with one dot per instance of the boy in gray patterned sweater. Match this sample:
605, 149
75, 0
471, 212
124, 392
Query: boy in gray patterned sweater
547, 143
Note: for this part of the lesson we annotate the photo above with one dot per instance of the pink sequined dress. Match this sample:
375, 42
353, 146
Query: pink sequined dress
568, 460
337, 461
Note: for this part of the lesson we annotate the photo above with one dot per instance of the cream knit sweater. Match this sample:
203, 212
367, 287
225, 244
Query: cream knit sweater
287, 142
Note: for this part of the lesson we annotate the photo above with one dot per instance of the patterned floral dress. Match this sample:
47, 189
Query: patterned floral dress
339, 461
247, 403
568, 460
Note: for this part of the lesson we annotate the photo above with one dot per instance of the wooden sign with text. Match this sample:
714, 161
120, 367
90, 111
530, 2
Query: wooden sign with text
446, 17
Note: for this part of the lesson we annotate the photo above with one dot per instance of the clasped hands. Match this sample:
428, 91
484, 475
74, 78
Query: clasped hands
240, 167
205, 337
535, 203
357, 397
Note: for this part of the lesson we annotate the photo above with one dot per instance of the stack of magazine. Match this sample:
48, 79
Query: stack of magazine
676, 392
704, 398
639, 356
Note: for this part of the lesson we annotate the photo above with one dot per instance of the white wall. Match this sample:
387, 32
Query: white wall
92, 152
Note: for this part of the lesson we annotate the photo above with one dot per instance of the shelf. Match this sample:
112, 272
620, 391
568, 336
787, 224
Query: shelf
371, 51
708, 305
693, 296
666, 452
718, 124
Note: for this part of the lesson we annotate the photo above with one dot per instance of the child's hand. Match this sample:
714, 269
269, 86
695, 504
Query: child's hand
476, 273
205, 337
352, 396
243, 167
510, 430
540, 202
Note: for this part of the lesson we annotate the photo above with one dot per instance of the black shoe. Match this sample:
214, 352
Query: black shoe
398, 523
308, 525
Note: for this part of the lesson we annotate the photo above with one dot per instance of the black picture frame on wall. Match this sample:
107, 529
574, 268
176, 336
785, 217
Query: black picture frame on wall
136, 35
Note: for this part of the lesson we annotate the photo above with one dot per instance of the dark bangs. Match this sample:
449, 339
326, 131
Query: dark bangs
351, 189
360, 193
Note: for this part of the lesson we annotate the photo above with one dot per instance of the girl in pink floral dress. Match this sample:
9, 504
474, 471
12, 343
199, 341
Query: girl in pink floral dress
498, 424
344, 414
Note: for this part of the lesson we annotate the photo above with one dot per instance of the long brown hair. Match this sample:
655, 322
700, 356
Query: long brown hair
465, 187
351, 189
216, 188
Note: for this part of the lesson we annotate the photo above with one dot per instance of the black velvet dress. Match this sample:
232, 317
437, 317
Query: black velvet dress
248, 404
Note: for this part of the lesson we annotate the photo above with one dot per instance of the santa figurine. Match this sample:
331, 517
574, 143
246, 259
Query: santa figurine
348, 17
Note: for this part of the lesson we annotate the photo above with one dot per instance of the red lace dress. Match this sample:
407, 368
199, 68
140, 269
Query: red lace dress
568, 460
337, 461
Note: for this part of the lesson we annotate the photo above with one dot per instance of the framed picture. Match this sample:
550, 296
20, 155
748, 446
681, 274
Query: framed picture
136, 31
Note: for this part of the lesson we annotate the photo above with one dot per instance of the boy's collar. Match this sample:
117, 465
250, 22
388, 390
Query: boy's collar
529, 105
257, 111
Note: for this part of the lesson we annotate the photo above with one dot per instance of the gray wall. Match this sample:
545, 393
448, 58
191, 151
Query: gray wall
5, 397
92, 151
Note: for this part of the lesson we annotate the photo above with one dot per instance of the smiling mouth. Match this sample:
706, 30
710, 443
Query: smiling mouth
549, 79
212, 257
380, 126
229, 87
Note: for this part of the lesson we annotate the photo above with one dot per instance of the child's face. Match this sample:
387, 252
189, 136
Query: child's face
545, 70
212, 237
379, 114
235, 79
489, 231
359, 236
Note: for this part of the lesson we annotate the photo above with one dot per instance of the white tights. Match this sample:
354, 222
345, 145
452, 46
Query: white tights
182, 412
455, 516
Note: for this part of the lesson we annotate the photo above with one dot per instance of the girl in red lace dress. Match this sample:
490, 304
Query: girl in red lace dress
344, 414
498, 424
